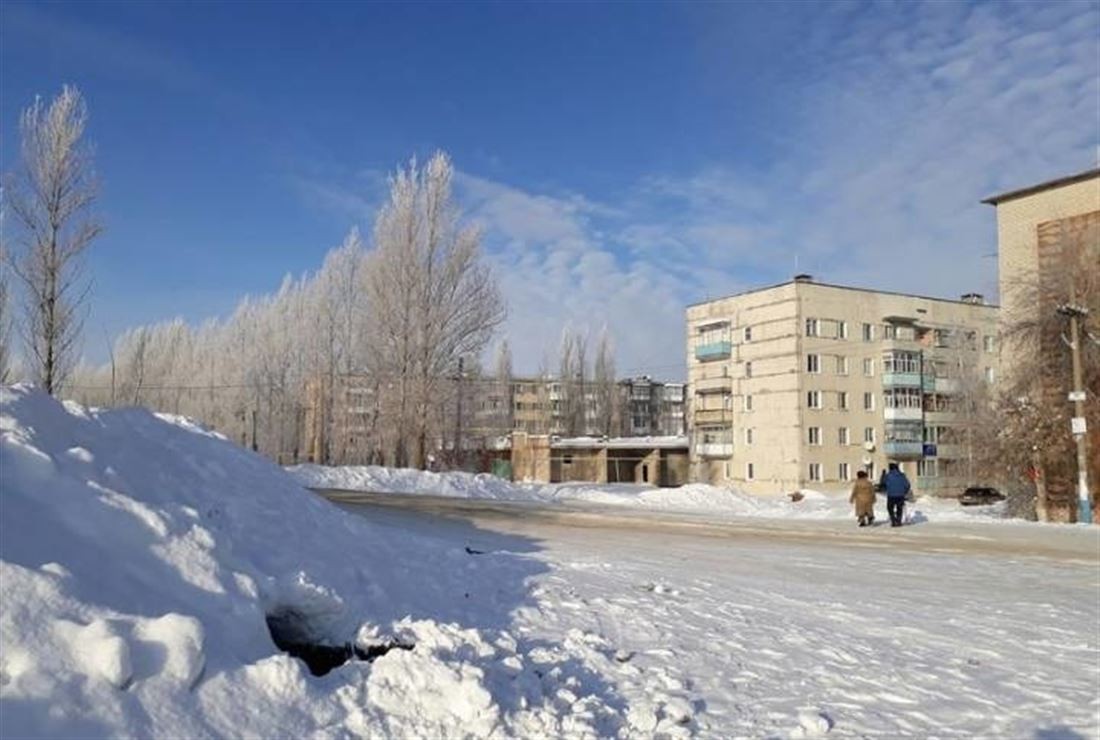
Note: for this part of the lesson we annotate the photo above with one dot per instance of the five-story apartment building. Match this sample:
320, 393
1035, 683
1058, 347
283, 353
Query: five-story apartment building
801, 385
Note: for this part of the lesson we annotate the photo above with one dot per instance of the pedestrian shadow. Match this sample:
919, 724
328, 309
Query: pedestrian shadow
1058, 732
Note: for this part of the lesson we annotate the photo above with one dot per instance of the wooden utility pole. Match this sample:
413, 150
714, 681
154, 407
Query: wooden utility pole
1076, 313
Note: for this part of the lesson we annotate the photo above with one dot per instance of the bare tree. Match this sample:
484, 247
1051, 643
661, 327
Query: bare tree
432, 299
52, 200
603, 377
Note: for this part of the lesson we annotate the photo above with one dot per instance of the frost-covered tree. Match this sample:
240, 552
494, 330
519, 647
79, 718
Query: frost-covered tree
51, 201
433, 300
6, 358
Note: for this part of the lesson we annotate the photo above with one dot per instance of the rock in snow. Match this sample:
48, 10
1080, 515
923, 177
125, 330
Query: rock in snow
140, 555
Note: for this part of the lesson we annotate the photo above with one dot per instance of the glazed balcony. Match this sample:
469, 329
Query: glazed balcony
713, 351
901, 380
903, 450
713, 416
712, 385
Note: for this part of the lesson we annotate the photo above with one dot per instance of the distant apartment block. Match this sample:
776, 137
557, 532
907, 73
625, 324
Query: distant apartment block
803, 384
651, 408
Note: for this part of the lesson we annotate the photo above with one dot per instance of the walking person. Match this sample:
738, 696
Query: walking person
863, 496
897, 490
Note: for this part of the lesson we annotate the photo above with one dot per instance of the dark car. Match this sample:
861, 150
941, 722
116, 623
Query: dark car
980, 496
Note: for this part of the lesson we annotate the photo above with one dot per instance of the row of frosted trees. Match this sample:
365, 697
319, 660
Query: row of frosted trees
403, 311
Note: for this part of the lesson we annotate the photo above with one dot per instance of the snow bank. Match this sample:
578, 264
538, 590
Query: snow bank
139, 556
695, 498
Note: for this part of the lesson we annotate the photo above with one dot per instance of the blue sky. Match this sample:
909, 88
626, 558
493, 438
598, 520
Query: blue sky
622, 159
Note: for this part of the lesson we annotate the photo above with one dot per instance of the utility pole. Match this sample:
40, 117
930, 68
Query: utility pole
1076, 313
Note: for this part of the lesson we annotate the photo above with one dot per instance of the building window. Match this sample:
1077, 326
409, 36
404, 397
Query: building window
748, 437
889, 331
987, 342
869, 366
842, 400
989, 375
841, 365
901, 362
748, 402
928, 468
815, 436
727, 470
749, 472
902, 398
815, 472
868, 332
869, 434
842, 472
813, 399
813, 363
842, 436
748, 333
868, 401
842, 329
748, 369
811, 327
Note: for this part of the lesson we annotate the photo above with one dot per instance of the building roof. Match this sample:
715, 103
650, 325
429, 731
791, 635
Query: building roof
840, 287
620, 442
1048, 185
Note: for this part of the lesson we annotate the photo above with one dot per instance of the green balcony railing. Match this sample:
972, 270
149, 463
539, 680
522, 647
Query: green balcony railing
903, 449
904, 380
713, 351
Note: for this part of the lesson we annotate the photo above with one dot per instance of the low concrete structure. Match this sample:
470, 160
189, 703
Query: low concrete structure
657, 461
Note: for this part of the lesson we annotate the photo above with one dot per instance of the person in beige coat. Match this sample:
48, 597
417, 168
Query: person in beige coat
863, 496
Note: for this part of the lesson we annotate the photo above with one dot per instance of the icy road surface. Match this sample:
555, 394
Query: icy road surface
803, 629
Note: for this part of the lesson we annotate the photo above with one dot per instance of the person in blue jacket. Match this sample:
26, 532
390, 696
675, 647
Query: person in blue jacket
897, 488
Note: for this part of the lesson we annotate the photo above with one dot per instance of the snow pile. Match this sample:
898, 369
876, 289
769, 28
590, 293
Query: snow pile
140, 556
694, 498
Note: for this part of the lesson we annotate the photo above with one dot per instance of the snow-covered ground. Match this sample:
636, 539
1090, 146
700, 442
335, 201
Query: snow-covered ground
694, 498
140, 554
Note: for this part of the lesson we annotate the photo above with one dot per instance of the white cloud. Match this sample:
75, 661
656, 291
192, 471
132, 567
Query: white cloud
906, 117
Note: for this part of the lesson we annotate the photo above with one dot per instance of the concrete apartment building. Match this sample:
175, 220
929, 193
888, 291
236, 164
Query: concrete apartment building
651, 408
642, 407
1044, 233
800, 385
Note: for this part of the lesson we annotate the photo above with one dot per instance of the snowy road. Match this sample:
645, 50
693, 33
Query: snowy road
785, 629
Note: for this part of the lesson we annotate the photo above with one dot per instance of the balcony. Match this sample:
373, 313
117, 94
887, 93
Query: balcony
714, 449
901, 380
713, 416
946, 385
902, 414
713, 351
928, 383
949, 451
903, 450
712, 385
